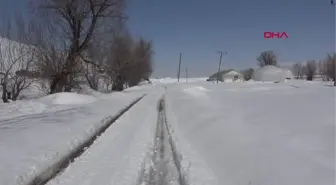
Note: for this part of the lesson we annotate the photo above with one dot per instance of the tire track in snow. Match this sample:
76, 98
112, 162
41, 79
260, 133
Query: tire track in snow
163, 166
53, 170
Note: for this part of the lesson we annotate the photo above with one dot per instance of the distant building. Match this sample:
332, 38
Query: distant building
227, 76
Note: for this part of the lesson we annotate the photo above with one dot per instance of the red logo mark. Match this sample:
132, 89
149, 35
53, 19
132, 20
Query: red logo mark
271, 35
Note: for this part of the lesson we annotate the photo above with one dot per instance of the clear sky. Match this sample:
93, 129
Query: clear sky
199, 28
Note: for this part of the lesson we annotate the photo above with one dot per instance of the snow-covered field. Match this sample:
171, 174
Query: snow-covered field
244, 133
258, 133
36, 133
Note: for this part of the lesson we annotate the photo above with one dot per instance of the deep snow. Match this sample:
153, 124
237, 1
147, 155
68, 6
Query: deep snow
241, 133
36, 133
258, 133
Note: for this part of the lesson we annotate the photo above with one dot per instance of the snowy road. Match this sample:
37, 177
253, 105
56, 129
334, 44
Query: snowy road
135, 150
163, 166
117, 156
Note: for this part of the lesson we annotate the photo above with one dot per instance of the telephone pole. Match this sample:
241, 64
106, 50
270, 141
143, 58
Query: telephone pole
186, 74
220, 63
179, 68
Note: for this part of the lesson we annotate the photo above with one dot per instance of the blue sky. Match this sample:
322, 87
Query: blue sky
199, 28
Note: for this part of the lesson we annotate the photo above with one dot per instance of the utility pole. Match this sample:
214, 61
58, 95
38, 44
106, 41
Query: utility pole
220, 63
186, 74
179, 68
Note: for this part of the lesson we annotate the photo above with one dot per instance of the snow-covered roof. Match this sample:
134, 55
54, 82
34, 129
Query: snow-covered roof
226, 72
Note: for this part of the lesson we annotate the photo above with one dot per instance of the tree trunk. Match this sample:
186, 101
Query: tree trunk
118, 84
58, 83
9, 95
14, 98
4, 93
15, 95
54, 84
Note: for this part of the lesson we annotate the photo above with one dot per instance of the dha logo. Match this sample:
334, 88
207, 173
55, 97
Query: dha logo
278, 35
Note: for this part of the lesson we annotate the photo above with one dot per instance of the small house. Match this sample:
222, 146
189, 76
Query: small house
227, 76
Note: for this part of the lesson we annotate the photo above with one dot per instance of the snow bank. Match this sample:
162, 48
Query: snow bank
36, 133
21, 108
271, 73
273, 134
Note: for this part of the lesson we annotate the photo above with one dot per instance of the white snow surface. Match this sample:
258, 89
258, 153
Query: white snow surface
118, 155
244, 133
36, 133
255, 133
271, 74
68, 99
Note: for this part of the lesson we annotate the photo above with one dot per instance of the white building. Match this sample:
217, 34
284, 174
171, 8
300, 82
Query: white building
227, 76
272, 74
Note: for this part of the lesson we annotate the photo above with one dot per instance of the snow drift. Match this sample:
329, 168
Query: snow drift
65, 98
271, 74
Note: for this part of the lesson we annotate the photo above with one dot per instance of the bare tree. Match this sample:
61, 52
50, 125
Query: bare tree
331, 65
14, 63
140, 67
95, 55
128, 62
310, 69
78, 22
92, 76
267, 58
119, 59
299, 70
322, 69
16, 59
